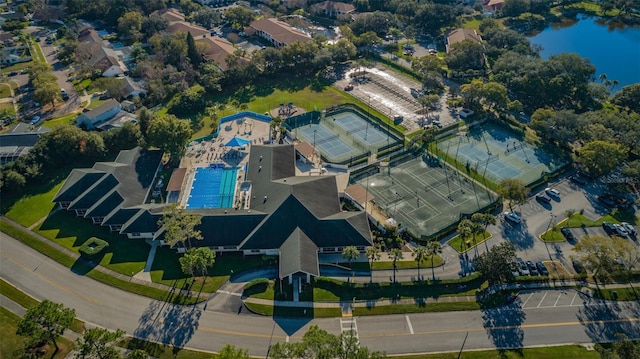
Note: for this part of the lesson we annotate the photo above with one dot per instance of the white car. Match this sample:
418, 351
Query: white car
620, 230
552, 192
629, 227
513, 217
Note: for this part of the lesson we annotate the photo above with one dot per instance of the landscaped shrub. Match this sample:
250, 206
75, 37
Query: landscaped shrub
256, 286
93, 246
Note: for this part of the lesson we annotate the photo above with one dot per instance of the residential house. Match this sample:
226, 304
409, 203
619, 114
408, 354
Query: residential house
215, 3
198, 32
460, 35
297, 217
333, 9
102, 59
131, 89
14, 55
495, 5
19, 140
278, 33
217, 50
171, 14
100, 115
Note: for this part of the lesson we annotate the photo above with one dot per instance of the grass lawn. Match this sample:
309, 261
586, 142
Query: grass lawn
63, 120
621, 294
386, 265
5, 90
330, 290
166, 269
12, 343
161, 351
95, 103
8, 106
267, 94
34, 205
16, 67
123, 255
457, 243
415, 308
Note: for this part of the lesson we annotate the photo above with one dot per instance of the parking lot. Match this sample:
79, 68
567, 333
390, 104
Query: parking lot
551, 299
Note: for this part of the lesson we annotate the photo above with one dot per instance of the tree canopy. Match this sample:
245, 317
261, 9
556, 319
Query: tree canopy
45, 322
170, 134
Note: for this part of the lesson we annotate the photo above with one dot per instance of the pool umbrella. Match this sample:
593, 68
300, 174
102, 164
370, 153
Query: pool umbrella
237, 142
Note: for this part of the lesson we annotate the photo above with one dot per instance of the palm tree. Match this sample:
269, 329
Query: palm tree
476, 228
433, 248
350, 253
396, 255
603, 77
419, 254
484, 219
373, 253
465, 229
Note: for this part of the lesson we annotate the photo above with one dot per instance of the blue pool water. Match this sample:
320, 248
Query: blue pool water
213, 187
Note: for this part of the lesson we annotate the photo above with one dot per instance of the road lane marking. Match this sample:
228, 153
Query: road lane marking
511, 327
541, 300
409, 324
54, 283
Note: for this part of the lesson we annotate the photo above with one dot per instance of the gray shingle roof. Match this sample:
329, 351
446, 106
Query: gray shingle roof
298, 254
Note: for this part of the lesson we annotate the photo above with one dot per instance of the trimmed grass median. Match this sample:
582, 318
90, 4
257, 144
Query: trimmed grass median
462, 247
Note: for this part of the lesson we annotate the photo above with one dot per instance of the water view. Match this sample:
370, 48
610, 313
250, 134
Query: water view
613, 50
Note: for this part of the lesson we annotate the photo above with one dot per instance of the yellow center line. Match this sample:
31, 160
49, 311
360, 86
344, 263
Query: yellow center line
230, 332
54, 283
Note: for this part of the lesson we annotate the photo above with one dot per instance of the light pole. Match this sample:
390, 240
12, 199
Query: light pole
366, 131
314, 143
395, 206
553, 216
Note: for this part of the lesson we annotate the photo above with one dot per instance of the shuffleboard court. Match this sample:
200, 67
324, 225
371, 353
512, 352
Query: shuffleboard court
425, 196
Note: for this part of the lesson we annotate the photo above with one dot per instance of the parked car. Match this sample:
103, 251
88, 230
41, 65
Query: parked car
578, 180
522, 267
35, 120
630, 228
620, 230
513, 217
568, 235
533, 270
514, 270
552, 192
579, 268
542, 268
608, 227
542, 197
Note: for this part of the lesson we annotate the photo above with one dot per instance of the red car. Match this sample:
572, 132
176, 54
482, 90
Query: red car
349, 87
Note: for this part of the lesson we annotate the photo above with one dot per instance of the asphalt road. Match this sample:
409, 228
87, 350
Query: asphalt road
210, 326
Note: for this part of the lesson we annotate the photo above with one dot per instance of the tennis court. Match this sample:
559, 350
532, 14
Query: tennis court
213, 187
497, 153
360, 129
329, 144
423, 195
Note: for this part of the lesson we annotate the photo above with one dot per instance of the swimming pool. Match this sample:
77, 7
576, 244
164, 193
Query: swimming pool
213, 187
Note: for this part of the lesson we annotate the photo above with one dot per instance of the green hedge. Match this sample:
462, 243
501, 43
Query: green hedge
93, 246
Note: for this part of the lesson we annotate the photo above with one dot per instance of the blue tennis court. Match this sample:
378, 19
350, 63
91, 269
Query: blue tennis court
326, 141
213, 187
359, 128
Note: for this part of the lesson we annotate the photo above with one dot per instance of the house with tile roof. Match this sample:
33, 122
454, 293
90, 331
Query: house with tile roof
460, 35
278, 33
333, 9
217, 50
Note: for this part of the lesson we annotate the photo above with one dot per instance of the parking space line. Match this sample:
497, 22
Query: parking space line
541, 300
557, 299
409, 324
524, 305
574, 298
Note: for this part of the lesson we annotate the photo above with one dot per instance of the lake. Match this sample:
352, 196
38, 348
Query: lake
613, 50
